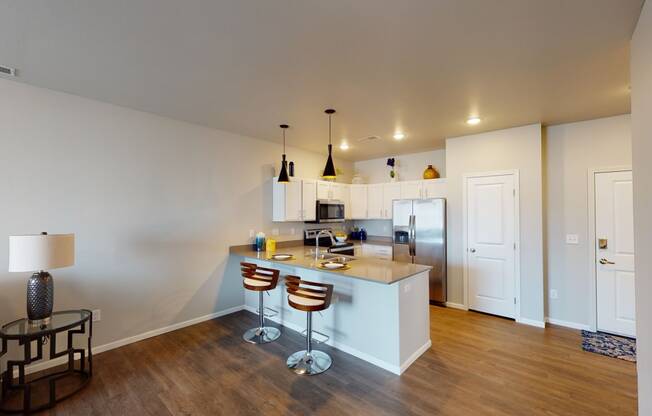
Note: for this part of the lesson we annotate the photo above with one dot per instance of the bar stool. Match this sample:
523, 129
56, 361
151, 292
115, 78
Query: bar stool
260, 279
308, 297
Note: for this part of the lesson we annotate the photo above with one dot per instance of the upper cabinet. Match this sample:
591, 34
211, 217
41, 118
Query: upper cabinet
295, 201
358, 201
434, 188
375, 205
391, 192
411, 189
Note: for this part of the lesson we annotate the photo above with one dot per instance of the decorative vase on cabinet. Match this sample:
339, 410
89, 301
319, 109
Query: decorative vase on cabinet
430, 173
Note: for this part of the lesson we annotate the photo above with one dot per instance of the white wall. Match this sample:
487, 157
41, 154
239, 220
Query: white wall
154, 203
641, 67
516, 148
570, 150
409, 166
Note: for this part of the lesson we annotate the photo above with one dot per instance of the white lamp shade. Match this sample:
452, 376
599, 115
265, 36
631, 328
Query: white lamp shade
31, 253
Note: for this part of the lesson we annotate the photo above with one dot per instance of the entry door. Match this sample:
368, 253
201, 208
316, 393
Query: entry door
491, 225
614, 231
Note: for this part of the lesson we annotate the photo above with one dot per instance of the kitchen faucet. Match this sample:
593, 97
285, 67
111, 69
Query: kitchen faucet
330, 234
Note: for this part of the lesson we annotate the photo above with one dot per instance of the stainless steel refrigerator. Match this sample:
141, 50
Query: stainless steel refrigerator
419, 234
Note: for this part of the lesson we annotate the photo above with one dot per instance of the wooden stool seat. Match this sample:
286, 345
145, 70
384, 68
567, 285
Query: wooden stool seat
309, 297
260, 279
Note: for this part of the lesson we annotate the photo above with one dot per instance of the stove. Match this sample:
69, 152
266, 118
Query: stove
310, 239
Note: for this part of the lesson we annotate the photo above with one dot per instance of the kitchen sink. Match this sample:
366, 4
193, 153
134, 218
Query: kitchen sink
332, 257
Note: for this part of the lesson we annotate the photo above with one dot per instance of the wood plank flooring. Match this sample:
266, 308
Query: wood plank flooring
478, 365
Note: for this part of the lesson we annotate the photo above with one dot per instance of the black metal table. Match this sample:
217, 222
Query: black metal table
16, 397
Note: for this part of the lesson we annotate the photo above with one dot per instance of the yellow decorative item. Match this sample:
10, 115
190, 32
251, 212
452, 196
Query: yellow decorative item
270, 246
430, 173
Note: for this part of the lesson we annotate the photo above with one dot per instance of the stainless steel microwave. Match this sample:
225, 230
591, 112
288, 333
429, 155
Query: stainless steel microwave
329, 210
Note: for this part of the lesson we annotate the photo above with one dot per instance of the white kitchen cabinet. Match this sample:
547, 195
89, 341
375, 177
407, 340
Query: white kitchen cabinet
342, 192
308, 200
391, 192
293, 201
375, 206
358, 202
434, 188
323, 190
411, 189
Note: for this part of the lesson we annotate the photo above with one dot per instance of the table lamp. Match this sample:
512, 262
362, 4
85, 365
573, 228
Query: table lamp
37, 253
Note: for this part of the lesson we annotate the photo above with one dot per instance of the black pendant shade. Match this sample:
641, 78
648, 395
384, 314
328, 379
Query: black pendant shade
283, 176
329, 169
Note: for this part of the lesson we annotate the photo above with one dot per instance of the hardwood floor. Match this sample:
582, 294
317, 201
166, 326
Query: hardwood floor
478, 365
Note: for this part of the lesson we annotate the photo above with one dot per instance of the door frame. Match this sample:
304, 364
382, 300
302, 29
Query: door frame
517, 234
593, 255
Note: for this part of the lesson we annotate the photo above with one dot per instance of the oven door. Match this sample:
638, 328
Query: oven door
330, 211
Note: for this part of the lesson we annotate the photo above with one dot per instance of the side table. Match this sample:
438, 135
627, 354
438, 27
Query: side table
17, 397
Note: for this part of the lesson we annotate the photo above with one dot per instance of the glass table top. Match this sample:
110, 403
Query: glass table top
58, 321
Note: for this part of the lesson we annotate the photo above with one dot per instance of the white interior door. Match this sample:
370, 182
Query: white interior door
614, 230
491, 228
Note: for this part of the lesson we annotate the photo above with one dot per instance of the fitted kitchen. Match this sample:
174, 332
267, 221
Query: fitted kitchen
374, 278
348, 275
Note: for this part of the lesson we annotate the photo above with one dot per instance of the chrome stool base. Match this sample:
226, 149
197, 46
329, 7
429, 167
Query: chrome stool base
261, 335
304, 363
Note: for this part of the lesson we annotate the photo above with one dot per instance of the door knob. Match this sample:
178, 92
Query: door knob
472, 250
605, 261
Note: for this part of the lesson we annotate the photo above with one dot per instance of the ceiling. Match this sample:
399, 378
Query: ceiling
419, 66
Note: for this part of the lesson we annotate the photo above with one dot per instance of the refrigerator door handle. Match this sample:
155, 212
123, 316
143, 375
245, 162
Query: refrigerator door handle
412, 235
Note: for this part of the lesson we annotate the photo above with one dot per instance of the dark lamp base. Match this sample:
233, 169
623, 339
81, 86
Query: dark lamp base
40, 298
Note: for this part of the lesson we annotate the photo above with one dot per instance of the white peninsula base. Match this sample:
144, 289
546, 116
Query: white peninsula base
387, 325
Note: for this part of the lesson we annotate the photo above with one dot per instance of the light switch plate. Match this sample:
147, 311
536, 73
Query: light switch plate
553, 294
572, 239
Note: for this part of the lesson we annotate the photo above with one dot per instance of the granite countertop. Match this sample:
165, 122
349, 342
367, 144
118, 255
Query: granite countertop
366, 268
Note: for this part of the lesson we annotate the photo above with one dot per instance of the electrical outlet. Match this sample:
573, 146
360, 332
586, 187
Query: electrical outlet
292, 231
252, 233
97, 315
572, 239
275, 231
407, 288
554, 294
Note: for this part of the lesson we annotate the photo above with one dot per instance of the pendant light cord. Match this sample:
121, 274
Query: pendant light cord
330, 116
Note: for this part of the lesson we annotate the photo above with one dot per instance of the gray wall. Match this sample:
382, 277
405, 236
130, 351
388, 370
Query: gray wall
570, 150
641, 67
154, 203
516, 148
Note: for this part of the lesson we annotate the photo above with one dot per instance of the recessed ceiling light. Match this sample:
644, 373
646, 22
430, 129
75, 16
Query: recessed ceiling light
473, 121
399, 136
344, 146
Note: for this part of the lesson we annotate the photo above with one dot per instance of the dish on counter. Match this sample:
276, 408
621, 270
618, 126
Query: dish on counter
281, 257
333, 265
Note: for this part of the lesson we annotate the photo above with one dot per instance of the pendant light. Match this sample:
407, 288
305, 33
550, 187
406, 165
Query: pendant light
329, 170
283, 176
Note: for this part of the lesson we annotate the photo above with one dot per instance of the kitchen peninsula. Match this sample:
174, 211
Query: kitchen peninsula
379, 311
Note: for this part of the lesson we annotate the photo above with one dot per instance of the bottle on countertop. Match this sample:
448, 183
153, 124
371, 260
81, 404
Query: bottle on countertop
363, 234
259, 242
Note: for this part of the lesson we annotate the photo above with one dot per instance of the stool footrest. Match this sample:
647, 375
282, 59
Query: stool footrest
324, 340
269, 312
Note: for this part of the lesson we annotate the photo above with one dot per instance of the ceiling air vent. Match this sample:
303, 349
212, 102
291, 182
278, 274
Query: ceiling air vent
5, 70
369, 139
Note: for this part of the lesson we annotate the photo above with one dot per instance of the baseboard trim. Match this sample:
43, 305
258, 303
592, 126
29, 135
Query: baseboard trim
346, 348
567, 324
531, 322
456, 306
130, 340
411, 359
